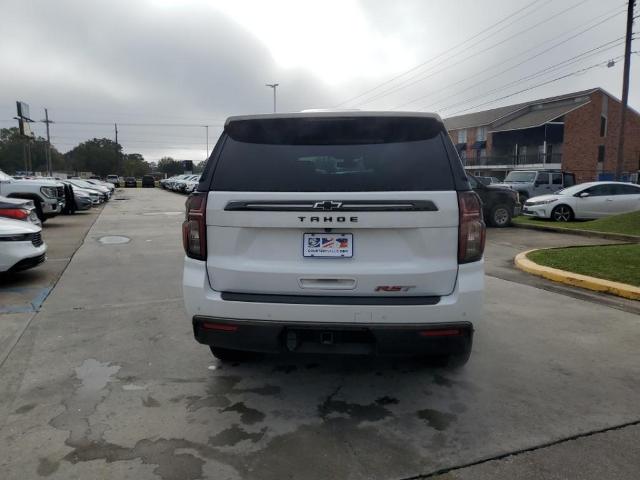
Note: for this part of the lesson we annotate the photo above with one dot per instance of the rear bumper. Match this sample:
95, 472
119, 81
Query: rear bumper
393, 328
21, 255
304, 337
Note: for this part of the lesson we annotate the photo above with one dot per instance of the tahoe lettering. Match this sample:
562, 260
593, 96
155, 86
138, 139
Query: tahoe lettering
329, 219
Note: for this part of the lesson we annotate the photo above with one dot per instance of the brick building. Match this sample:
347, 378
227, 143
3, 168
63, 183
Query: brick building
577, 132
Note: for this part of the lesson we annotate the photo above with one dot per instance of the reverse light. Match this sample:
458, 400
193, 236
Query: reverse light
471, 229
194, 228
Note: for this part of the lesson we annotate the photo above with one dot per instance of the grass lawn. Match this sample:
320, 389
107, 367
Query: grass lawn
626, 223
619, 263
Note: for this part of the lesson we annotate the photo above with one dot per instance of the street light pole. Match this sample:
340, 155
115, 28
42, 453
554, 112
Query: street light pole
274, 86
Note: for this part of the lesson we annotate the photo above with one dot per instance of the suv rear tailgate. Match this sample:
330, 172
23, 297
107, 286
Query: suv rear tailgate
260, 251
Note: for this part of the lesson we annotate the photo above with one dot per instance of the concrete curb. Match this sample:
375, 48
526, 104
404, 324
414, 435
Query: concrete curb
583, 281
584, 233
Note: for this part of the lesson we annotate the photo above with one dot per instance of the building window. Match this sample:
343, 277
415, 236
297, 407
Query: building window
462, 136
603, 125
600, 153
463, 155
481, 134
483, 153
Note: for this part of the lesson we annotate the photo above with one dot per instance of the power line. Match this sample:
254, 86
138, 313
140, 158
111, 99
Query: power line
472, 55
565, 63
136, 124
577, 72
123, 141
440, 54
519, 55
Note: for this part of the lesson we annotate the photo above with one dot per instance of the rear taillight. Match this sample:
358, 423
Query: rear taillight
17, 213
194, 228
471, 231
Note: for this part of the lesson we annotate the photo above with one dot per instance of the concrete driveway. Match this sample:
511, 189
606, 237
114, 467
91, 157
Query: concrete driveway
107, 382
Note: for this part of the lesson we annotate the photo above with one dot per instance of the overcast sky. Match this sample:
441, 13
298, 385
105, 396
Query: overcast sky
195, 62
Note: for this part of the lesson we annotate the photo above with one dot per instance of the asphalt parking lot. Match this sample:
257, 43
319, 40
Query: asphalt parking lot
106, 381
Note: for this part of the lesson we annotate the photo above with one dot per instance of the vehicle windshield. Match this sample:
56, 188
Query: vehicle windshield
571, 190
526, 177
346, 154
83, 183
4, 177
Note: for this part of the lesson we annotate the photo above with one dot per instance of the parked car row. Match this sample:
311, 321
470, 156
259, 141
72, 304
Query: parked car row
29, 202
148, 181
186, 183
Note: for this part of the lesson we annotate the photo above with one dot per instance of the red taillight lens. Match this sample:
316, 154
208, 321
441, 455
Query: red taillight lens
17, 213
472, 230
194, 228
222, 327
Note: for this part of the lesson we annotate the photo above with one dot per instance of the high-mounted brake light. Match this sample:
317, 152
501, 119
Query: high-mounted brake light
471, 229
17, 213
194, 227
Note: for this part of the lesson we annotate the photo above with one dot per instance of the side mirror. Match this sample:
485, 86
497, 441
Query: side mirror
583, 194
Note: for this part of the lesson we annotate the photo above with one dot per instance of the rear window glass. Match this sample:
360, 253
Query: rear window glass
324, 155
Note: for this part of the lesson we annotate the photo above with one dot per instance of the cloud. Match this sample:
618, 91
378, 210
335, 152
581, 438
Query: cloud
197, 62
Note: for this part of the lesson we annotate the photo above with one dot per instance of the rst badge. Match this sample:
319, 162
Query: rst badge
394, 288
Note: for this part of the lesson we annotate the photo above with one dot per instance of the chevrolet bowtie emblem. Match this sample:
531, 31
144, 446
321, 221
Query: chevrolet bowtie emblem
327, 205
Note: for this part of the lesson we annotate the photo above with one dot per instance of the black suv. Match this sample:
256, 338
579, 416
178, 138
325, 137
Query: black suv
499, 203
148, 181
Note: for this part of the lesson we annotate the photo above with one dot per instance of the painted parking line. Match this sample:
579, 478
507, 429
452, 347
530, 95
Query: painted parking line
31, 299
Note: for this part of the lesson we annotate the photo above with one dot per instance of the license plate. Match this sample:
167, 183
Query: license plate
327, 245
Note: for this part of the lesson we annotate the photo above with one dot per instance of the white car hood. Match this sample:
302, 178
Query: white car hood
540, 198
9, 226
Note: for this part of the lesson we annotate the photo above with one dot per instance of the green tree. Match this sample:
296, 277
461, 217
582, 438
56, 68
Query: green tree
102, 156
170, 166
199, 167
135, 165
13, 151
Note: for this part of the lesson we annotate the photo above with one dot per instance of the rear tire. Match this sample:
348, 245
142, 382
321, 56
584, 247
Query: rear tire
228, 355
562, 213
500, 216
454, 360
39, 213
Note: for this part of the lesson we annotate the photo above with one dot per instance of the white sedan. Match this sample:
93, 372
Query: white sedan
21, 245
585, 201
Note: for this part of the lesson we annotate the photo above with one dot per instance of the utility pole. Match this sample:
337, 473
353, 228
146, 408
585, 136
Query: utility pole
48, 149
625, 89
115, 125
274, 86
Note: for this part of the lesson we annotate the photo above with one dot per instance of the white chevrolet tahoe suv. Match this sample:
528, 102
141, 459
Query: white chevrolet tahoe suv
334, 232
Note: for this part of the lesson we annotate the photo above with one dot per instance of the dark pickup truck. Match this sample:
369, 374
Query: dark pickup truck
499, 203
